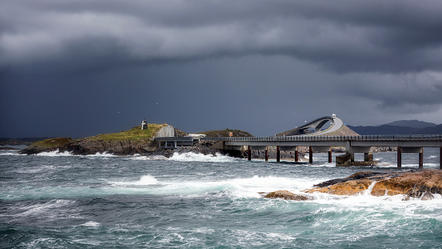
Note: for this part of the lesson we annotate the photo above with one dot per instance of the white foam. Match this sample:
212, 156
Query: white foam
10, 153
185, 157
102, 154
54, 153
198, 157
143, 181
90, 224
236, 187
38, 209
148, 158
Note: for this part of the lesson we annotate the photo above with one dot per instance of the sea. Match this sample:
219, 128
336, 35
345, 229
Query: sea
60, 200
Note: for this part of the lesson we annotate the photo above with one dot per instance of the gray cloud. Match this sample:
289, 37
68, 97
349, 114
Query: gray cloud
393, 36
366, 60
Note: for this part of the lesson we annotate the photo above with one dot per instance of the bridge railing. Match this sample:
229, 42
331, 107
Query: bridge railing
329, 138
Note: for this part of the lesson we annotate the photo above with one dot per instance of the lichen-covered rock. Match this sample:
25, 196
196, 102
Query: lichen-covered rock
286, 195
416, 184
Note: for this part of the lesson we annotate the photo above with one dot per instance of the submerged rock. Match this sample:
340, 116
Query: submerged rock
416, 184
286, 195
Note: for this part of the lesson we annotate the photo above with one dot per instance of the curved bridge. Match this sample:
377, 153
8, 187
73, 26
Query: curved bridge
322, 126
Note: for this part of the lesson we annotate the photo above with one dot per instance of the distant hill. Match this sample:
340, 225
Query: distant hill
402, 127
412, 124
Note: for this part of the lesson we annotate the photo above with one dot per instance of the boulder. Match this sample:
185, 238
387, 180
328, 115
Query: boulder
286, 195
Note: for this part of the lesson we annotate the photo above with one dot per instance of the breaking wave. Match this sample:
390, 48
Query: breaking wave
144, 181
54, 153
198, 157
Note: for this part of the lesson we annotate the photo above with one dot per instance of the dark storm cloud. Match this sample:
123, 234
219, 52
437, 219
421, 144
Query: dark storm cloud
362, 58
386, 36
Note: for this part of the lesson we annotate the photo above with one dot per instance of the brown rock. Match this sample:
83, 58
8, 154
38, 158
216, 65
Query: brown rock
416, 184
344, 188
286, 195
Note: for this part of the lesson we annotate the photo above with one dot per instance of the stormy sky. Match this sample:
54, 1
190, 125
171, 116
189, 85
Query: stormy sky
81, 67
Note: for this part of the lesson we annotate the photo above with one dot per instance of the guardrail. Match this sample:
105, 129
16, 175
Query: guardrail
301, 138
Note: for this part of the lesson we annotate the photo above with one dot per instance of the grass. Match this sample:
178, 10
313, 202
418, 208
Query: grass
52, 142
133, 134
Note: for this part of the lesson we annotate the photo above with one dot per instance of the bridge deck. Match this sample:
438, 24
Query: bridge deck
363, 141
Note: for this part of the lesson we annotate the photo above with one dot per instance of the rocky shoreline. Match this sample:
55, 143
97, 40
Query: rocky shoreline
422, 184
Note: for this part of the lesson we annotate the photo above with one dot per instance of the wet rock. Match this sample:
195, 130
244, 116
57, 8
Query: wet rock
416, 184
286, 195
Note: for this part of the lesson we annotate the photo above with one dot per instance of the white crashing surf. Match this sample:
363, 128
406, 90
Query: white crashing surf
198, 157
10, 153
186, 157
236, 187
54, 153
143, 181
57, 152
102, 154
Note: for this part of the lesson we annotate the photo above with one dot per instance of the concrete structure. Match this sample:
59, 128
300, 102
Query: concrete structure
143, 125
353, 144
174, 142
325, 126
166, 131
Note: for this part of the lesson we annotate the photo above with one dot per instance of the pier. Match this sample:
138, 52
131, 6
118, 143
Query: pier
317, 144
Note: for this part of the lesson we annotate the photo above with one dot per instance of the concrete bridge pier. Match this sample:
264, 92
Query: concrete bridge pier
399, 157
310, 154
297, 154
368, 157
419, 150
278, 154
266, 155
249, 153
329, 156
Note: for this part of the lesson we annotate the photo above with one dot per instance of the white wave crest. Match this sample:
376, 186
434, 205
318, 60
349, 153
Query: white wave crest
198, 157
54, 153
144, 181
90, 224
236, 187
148, 158
101, 154
11, 153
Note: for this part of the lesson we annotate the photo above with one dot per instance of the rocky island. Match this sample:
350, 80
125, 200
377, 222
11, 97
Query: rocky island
129, 142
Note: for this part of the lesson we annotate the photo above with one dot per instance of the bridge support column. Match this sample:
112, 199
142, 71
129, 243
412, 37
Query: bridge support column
278, 154
399, 157
266, 156
310, 154
421, 158
297, 154
330, 156
249, 153
368, 157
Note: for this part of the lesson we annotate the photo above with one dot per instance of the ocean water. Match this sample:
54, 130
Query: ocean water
56, 200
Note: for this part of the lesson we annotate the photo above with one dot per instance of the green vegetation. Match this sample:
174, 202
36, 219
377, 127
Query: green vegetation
52, 143
133, 134
225, 133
